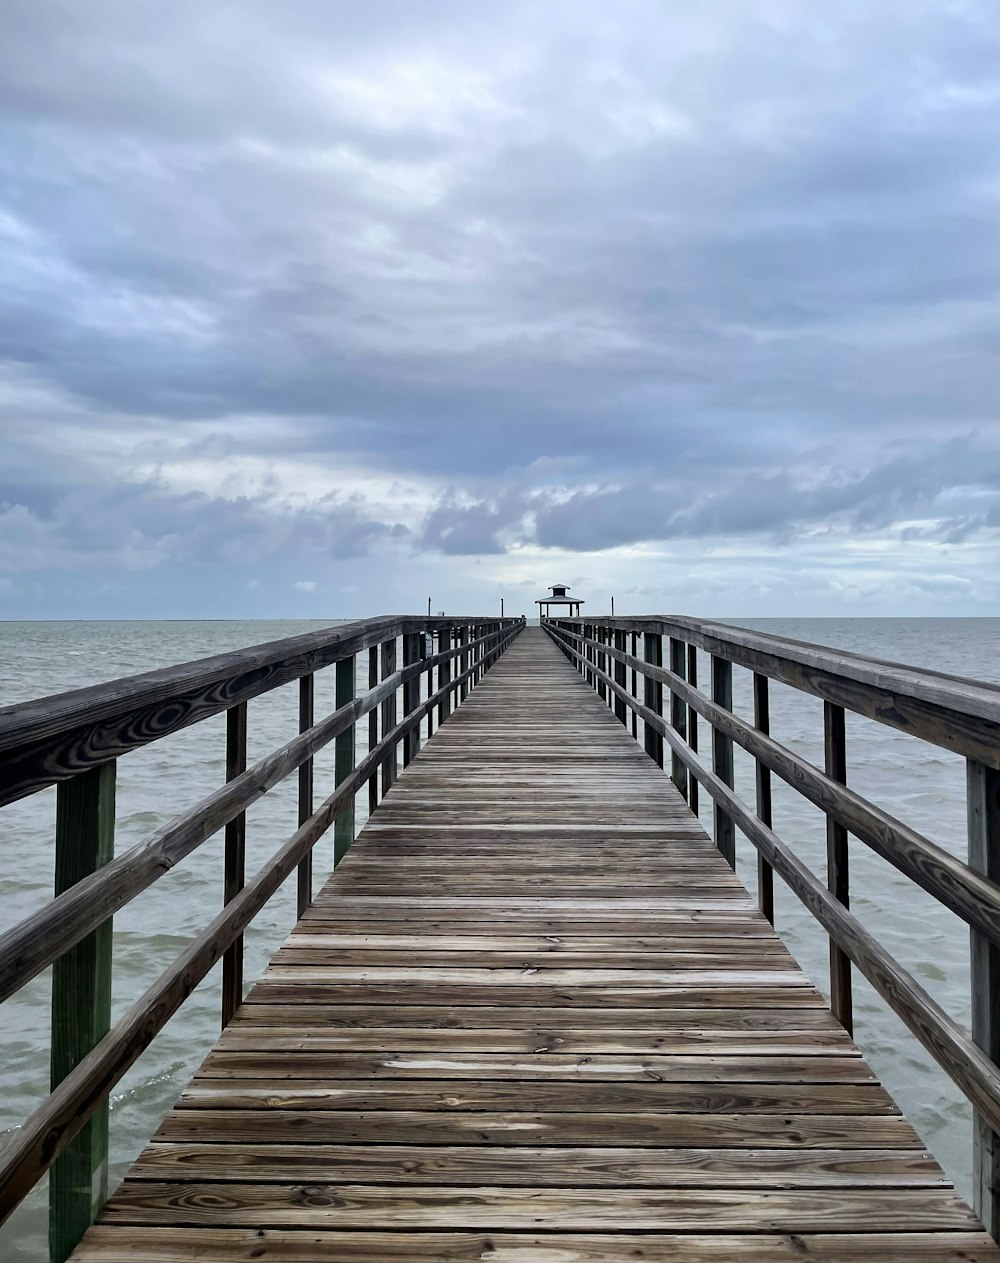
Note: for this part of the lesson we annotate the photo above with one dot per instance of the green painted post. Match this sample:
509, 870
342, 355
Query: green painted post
81, 1003
343, 758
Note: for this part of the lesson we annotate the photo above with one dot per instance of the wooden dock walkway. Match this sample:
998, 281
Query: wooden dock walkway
534, 1018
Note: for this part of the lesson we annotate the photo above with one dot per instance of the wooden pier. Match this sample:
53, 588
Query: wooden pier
534, 1016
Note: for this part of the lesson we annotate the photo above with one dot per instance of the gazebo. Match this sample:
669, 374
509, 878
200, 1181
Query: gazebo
559, 597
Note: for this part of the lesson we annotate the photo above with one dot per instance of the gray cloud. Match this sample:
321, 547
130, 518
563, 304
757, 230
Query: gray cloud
735, 265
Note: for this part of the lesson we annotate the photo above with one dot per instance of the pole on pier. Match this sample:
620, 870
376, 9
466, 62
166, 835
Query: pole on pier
678, 715
722, 757
304, 879
762, 720
81, 1003
234, 862
838, 872
984, 856
345, 685
652, 693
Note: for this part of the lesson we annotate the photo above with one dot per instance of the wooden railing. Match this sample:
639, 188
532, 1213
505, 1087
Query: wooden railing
73, 740
957, 714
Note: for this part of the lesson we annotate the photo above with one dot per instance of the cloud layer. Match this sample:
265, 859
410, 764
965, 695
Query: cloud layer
377, 294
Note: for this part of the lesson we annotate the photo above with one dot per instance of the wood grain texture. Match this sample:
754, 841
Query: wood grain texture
534, 1017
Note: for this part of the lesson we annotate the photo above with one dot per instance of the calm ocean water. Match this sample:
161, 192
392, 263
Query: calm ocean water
922, 785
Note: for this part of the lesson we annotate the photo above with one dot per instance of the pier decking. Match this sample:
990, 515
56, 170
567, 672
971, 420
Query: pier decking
534, 1017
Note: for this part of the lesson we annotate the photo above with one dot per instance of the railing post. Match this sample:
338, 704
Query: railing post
722, 757
601, 665
304, 875
388, 715
588, 655
762, 721
621, 710
372, 728
692, 679
652, 692
838, 872
444, 675
678, 716
984, 856
464, 661
235, 860
345, 685
411, 695
81, 1003
635, 685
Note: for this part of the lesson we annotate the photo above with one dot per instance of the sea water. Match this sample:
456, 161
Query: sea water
917, 782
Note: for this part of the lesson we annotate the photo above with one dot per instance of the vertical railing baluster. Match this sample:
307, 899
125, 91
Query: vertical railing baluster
621, 643
81, 1003
837, 863
372, 727
235, 860
411, 695
444, 675
722, 757
678, 716
304, 875
345, 684
652, 693
692, 736
983, 784
762, 720
635, 684
388, 715
463, 661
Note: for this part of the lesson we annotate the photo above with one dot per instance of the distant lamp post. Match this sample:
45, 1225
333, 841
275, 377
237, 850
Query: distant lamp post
501, 607
612, 607
557, 599
428, 607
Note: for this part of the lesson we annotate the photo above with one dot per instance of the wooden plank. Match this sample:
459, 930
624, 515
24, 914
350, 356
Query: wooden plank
154, 1244
590, 1167
140, 1202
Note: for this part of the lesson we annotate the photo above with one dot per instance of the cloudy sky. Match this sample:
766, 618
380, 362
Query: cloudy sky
318, 309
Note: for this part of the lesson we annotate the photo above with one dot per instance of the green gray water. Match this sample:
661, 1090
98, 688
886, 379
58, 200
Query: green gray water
922, 785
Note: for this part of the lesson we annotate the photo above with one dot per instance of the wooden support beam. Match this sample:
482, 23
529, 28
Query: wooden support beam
444, 674
692, 677
304, 879
652, 652
343, 756
372, 727
81, 1003
635, 685
678, 715
837, 863
388, 715
412, 652
762, 777
722, 757
234, 874
984, 856
621, 675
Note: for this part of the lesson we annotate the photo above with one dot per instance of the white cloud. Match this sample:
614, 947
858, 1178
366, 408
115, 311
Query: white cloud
305, 585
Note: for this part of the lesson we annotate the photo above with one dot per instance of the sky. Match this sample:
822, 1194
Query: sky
322, 310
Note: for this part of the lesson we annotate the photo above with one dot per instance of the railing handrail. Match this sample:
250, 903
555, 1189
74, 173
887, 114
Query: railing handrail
950, 711
52, 738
